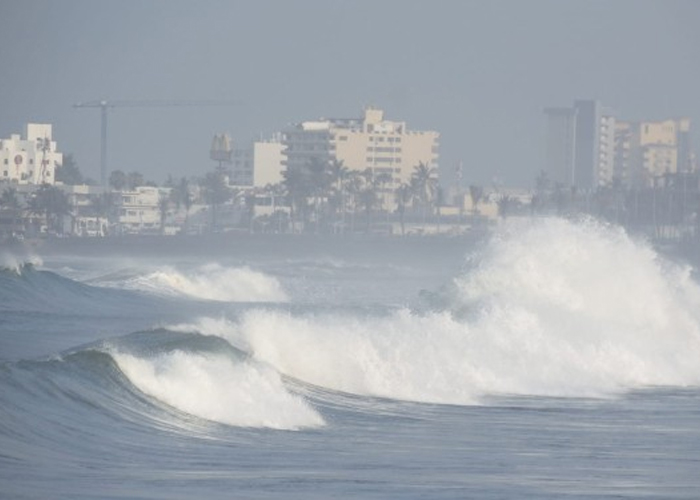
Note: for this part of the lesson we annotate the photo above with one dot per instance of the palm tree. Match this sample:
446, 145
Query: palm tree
118, 180
367, 195
424, 185
52, 203
476, 193
9, 199
380, 182
308, 182
216, 193
68, 172
320, 181
163, 204
11, 206
338, 173
134, 180
103, 204
353, 185
403, 195
505, 203
295, 182
181, 196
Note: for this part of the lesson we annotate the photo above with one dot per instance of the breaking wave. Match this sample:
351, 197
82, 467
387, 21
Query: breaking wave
211, 282
547, 308
13, 263
217, 388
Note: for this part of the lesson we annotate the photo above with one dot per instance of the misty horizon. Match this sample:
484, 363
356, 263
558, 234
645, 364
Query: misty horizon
478, 73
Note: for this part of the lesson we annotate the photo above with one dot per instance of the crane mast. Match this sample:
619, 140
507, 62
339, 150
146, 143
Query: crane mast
104, 105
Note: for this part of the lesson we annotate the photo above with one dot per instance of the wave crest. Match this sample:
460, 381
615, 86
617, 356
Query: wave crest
549, 308
212, 282
214, 387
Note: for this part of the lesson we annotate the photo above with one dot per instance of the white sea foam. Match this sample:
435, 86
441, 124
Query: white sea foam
14, 263
212, 282
214, 387
552, 308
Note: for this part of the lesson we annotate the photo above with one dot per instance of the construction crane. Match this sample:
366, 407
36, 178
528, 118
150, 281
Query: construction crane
104, 105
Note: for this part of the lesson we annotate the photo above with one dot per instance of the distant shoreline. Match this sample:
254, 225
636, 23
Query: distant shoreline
233, 244
276, 245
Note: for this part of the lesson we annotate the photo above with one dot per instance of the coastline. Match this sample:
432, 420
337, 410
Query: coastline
241, 244
270, 245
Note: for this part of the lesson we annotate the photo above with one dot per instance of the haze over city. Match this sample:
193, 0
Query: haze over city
350, 249
479, 73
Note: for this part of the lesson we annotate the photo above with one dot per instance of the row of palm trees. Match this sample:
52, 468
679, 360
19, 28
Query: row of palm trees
667, 208
48, 204
328, 196
320, 196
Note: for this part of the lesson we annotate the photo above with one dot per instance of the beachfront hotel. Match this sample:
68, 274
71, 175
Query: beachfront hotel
370, 142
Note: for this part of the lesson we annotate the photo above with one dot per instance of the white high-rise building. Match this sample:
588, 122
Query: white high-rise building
258, 165
581, 145
32, 160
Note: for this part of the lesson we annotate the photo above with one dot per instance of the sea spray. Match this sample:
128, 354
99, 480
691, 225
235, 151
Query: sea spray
547, 308
15, 263
209, 282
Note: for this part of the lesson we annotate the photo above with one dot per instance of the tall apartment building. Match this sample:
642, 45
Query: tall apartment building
32, 160
561, 145
647, 150
259, 164
386, 147
581, 145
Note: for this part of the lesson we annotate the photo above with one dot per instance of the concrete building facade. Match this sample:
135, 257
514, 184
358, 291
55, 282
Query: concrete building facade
32, 160
258, 165
561, 145
138, 211
581, 145
648, 150
371, 142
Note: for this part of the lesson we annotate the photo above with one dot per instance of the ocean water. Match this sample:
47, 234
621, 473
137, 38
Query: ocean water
551, 359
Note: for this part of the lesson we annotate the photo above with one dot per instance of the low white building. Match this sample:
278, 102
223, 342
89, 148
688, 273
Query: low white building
32, 160
88, 219
139, 210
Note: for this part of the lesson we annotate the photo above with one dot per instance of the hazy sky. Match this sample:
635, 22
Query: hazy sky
477, 72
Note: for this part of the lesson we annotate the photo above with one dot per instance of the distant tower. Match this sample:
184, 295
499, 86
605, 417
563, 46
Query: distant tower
581, 145
561, 145
221, 150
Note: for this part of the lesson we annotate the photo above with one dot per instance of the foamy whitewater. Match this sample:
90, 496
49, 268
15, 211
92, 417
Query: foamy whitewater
554, 359
210, 282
